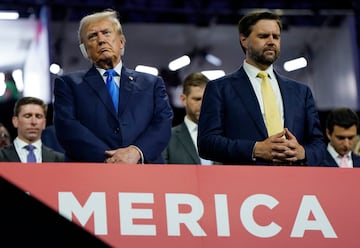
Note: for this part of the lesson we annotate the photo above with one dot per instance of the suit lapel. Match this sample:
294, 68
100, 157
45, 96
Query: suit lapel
185, 139
46, 155
12, 154
96, 82
127, 82
356, 160
329, 160
244, 89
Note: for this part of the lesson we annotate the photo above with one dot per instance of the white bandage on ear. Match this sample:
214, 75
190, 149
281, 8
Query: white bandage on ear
83, 51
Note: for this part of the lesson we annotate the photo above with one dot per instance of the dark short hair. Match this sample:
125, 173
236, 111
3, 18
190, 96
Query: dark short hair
195, 79
343, 117
247, 22
29, 100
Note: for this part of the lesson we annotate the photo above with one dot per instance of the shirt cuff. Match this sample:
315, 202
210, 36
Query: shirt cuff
253, 153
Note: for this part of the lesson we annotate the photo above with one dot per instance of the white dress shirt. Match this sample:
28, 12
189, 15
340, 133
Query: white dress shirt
336, 156
22, 152
252, 73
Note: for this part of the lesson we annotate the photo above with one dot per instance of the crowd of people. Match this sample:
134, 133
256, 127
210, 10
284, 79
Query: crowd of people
112, 114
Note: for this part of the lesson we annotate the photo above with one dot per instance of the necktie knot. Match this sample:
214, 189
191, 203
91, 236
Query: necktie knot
30, 147
31, 155
263, 75
112, 87
110, 73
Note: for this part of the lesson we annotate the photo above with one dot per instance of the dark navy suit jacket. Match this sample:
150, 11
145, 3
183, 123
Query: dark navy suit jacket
231, 121
87, 124
330, 161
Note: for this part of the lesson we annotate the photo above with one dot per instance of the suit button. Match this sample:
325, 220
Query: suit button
117, 130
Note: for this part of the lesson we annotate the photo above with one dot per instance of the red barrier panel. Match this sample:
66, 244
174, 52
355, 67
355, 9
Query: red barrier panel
200, 206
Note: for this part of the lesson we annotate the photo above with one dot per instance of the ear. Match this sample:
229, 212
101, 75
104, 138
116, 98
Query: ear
15, 121
242, 40
83, 50
183, 99
328, 134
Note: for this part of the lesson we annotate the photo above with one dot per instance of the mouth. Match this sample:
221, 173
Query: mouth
104, 50
269, 51
33, 130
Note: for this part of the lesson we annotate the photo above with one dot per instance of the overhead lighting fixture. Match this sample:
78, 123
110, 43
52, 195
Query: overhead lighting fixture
55, 69
179, 63
295, 64
18, 78
212, 59
213, 74
2, 84
147, 69
9, 15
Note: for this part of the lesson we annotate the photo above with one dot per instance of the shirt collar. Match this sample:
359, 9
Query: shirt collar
20, 144
252, 71
192, 126
334, 153
117, 68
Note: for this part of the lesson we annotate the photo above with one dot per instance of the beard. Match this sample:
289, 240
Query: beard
261, 58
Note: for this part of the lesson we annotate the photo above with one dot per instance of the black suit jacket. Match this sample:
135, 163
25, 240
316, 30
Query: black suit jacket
9, 154
330, 162
181, 148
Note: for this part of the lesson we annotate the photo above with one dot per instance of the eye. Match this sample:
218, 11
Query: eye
91, 36
107, 32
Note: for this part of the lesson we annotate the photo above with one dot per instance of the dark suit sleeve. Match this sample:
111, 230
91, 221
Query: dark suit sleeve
157, 131
312, 137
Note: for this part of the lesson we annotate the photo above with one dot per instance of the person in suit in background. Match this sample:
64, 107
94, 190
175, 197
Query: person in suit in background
89, 125
342, 126
182, 148
5, 138
30, 120
233, 126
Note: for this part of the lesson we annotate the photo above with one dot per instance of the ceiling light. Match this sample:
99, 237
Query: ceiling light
213, 74
295, 64
9, 15
212, 59
2, 84
179, 63
147, 69
18, 78
55, 68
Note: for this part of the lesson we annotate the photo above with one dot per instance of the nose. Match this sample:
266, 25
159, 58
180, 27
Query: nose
347, 143
101, 38
33, 120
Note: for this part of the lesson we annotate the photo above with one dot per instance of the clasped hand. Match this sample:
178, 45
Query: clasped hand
280, 148
127, 155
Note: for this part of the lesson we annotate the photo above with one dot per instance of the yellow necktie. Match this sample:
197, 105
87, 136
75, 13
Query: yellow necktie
272, 113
